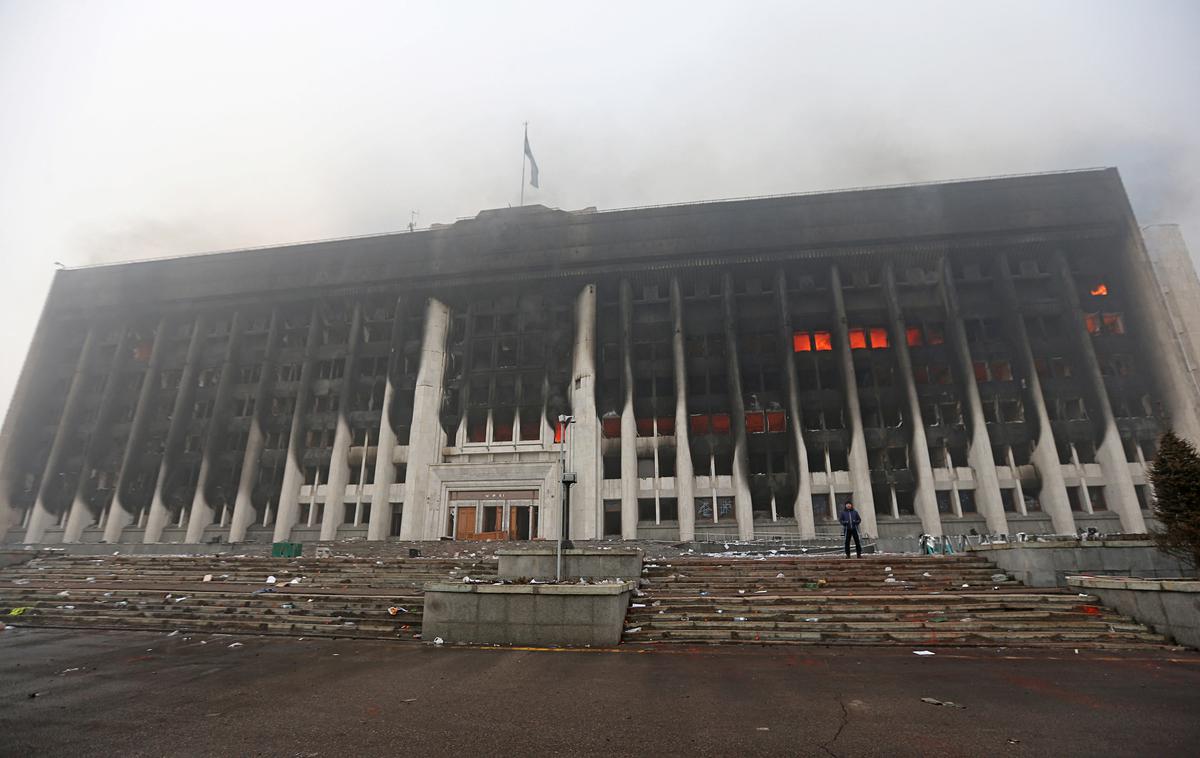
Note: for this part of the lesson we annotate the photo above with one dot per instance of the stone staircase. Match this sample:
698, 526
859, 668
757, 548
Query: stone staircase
876, 600
333, 597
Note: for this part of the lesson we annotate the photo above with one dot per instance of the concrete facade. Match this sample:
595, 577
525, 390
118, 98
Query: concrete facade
982, 355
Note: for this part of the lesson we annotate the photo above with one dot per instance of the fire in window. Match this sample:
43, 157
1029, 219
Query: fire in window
1100, 290
879, 338
913, 336
858, 339
801, 342
822, 341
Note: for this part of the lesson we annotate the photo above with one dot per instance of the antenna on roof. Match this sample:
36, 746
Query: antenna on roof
412, 220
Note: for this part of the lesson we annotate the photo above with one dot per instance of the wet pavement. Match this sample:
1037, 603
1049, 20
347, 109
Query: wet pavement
135, 693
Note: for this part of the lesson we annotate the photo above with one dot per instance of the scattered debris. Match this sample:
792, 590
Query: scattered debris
64, 672
270, 580
181, 599
763, 729
947, 703
207, 578
19, 611
174, 633
922, 652
999, 577
438, 641
635, 629
409, 700
64, 593
235, 644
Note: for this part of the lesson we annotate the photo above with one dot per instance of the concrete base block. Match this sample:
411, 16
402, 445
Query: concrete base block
1048, 564
552, 615
1170, 606
593, 563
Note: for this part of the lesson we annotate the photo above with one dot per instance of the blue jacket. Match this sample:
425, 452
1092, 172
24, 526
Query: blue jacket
849, 520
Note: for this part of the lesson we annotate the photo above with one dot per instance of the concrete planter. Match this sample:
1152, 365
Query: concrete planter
1048, 564
594, 563
542, 615
1170, 606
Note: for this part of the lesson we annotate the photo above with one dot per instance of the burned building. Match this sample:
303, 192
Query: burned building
989, 354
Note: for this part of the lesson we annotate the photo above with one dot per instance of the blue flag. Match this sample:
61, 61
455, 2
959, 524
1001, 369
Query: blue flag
533, 169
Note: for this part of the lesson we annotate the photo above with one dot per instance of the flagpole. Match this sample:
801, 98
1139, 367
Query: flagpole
523, 163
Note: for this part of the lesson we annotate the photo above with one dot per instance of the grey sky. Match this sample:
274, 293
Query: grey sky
139, 129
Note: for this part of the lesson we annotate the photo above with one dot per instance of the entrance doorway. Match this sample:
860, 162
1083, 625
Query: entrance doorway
493, 514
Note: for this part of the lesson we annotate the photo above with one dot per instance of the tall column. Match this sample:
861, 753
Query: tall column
584, 435
1045, 452
685, 482
201, 514
803, 506
741, 462
380, 527
118, 515
243, 505
339, 464
180, 420
426, 437
81, 515
1118, 483
629, 466
860, 467
41, 516
293, 477
979, 455
925, 501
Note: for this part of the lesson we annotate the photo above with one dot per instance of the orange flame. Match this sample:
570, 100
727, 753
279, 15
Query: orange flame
1100, 291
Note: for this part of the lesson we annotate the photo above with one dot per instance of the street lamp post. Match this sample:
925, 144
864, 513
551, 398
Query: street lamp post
568, 478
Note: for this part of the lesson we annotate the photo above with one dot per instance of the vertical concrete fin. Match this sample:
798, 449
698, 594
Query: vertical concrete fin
860, 471
385, 466
119, 515
1045, 452
987, 482
742, 506
202, 512
339, 462
422, 504
157, 518
42, 517
1118, 482
925, 499
243, 504
288, 511
685, 482
803, 505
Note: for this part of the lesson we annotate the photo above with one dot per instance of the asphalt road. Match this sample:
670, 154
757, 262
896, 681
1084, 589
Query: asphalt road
133, 694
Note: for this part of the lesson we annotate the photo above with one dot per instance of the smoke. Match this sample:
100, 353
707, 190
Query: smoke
138, 129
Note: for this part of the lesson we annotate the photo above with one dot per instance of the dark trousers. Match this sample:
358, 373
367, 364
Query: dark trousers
857, 544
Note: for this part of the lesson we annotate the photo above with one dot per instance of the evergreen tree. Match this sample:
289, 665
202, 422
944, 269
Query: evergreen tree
1175, 476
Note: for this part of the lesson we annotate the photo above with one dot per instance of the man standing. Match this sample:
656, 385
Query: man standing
850, 520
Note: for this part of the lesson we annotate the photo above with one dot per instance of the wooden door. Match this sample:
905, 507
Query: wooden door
464, 523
